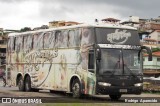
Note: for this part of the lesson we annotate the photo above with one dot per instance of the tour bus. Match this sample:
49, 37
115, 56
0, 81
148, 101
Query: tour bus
98, 59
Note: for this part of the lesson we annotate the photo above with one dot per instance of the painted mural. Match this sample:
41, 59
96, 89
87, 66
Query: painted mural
51, 58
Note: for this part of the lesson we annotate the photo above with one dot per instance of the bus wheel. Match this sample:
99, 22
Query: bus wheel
20, 84
115, 97
35, 90
76, 89
52, 91
27, 84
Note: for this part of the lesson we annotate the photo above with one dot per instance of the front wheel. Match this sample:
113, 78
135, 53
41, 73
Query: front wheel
35, 90
76, 89
115, 97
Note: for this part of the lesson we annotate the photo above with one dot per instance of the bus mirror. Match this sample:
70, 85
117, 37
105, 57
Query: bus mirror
149, 52
98, 54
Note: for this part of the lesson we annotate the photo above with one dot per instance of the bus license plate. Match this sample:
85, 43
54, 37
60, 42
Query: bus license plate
123, 90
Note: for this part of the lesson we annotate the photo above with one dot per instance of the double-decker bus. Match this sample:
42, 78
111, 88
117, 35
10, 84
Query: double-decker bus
82, 59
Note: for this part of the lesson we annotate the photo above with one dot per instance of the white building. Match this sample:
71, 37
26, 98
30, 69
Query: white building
153, 65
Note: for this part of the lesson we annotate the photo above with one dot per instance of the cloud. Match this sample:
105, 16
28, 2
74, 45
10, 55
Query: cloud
16, 14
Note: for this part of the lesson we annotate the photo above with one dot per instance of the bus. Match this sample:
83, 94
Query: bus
98, 59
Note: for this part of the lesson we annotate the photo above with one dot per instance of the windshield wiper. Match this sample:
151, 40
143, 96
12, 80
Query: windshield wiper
114, 69
117, 63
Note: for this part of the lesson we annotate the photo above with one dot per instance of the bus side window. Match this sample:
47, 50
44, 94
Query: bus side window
46, 39
28, 43
19, 43
77, 37
38, 41
11, 44
64, 37
14, 44
91, 61
57, 39
87, 36
52, 40
71, 38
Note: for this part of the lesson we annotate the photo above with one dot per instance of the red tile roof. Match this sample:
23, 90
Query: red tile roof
148, 39
157, 54
154, 26
157, 30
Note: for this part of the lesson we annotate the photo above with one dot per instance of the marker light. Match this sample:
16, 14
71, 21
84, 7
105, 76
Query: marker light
104, 84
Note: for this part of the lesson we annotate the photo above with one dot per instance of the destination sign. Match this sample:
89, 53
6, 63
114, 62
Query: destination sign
119, 46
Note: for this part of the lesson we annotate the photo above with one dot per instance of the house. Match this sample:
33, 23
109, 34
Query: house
155, 35
151, 40
3, 46
152, 67
54, 24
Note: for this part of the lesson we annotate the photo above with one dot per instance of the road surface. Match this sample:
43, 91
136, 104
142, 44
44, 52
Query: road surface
67, 98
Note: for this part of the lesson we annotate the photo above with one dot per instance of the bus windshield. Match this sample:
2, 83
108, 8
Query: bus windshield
119, 62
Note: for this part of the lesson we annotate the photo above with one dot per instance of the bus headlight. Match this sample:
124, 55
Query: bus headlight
138, 84
104, 84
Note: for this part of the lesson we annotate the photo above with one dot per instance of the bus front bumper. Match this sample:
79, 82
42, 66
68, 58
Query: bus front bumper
118, 90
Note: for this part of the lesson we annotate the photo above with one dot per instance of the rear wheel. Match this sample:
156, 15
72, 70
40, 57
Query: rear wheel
20, 84
76, 89
27, 84
52, 91
35, 90
4, 82
115, 97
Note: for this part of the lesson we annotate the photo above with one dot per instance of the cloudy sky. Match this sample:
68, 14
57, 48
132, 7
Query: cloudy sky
16, 14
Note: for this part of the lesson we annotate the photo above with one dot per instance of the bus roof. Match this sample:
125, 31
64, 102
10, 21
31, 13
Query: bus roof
105, 25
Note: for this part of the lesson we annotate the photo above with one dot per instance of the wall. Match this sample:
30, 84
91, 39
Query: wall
151, 64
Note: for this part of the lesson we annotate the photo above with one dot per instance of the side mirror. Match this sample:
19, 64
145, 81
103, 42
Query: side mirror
149, 52
98, 53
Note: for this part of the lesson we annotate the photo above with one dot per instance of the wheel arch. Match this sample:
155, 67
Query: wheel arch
71, 81
18, 76
26, 75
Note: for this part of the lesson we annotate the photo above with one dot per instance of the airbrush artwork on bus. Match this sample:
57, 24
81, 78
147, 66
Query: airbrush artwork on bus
51, 58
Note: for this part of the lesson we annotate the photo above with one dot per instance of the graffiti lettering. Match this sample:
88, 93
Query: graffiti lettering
118, 37
39, 57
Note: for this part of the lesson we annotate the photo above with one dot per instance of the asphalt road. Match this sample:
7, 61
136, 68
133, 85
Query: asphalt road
59, 97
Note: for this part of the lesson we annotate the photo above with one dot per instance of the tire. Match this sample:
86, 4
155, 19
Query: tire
21, 84
76, 89
34, 90
27, 84
4, 82
52, 91
115, 97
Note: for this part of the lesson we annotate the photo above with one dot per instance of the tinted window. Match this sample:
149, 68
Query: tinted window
19, 43
74, 37
38, 40
87, 37
47, 39
117, 36
28, 42
11, 44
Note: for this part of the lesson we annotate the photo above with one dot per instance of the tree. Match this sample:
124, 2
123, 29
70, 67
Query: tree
25, 29
155, 49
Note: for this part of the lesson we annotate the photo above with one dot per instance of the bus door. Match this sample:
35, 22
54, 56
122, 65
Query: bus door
91, 73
